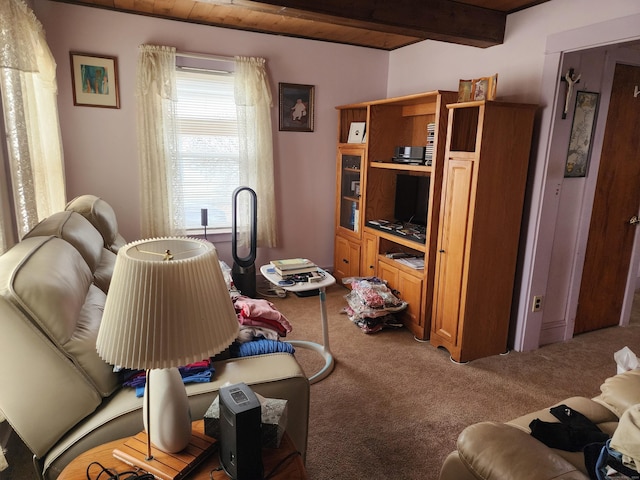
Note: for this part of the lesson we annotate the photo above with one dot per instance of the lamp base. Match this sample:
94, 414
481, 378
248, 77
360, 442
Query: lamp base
166, 466
166, 412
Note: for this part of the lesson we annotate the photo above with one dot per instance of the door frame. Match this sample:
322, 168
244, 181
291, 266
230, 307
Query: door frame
543, 198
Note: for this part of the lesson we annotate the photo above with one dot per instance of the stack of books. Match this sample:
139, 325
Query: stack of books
293, 266
428, 152
416, 263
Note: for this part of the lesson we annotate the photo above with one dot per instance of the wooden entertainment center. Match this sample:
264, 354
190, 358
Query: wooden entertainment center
461, 300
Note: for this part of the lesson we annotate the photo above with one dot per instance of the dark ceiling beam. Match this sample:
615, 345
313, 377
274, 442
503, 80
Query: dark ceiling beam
443, 20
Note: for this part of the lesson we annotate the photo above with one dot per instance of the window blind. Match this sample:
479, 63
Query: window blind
207, 127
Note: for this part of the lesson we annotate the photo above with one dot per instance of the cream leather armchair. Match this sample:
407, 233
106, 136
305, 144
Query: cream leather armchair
507, 451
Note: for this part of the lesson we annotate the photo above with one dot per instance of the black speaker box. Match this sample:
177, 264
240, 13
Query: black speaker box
240, 433
413, 153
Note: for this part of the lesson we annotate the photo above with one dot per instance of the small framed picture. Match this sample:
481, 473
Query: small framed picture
357, 131
296, 107
95, 80
483, 88
480, 88
464, 90
582, 130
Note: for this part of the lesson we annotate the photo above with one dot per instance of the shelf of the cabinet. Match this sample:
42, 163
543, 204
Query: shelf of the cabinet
473, 103
347, 233
401, 166
351, 145
351, 199
461, 155
402, 267
406, 241
352, 170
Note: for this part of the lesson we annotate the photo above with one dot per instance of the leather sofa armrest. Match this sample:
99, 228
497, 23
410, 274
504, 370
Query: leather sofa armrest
454, 469
594, 411
496, 451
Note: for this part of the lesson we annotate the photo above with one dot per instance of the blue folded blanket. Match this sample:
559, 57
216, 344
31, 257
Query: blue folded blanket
260, 347
202, 377
200, 372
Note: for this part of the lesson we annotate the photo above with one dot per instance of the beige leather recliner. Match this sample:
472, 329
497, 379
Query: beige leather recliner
101, 216
57, 394
507, 451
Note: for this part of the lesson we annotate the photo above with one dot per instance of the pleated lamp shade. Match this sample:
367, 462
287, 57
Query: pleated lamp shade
168, 305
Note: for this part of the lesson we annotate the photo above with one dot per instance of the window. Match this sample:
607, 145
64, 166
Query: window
208, 148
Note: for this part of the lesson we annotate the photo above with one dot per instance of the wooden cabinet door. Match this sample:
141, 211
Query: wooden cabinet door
349, 183
410, 290
347, 259
389, 274
369, 255
407, 287
452, 248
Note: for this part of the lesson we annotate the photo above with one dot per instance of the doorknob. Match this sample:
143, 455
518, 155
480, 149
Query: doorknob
634, 220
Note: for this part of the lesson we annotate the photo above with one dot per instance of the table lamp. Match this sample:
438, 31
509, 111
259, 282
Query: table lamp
168, 305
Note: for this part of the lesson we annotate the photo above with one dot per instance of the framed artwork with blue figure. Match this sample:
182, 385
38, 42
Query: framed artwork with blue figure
95, 80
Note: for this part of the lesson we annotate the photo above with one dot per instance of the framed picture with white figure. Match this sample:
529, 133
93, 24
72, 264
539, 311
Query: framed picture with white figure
296, 107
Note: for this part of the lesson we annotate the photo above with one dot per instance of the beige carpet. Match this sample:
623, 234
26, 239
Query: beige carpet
393, 407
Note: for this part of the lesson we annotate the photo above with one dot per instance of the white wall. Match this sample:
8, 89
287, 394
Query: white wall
100, 144
528, 67
519, 61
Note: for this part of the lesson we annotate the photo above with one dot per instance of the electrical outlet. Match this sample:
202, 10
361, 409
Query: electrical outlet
537, 303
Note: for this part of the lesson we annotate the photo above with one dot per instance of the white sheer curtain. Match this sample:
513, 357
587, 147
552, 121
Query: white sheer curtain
162, 212
162, 209
254, 102
33, 187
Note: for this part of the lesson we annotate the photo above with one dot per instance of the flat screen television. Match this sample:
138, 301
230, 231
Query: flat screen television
412, 199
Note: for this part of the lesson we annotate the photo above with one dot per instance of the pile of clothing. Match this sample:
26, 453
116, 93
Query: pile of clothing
261, 327
371, 305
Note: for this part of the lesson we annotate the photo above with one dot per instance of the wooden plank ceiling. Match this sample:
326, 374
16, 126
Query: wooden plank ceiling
381, 24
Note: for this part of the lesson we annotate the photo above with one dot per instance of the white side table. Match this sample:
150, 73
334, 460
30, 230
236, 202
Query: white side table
270, 274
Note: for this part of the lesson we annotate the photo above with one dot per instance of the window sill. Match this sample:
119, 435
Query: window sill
217, 235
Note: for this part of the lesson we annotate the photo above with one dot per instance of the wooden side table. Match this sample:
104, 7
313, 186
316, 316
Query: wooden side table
274, 460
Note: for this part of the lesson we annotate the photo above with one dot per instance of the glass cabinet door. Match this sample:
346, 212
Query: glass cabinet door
349, 164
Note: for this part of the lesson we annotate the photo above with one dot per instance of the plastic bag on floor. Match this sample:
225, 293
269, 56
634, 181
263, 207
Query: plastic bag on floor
626, 360
372, 298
